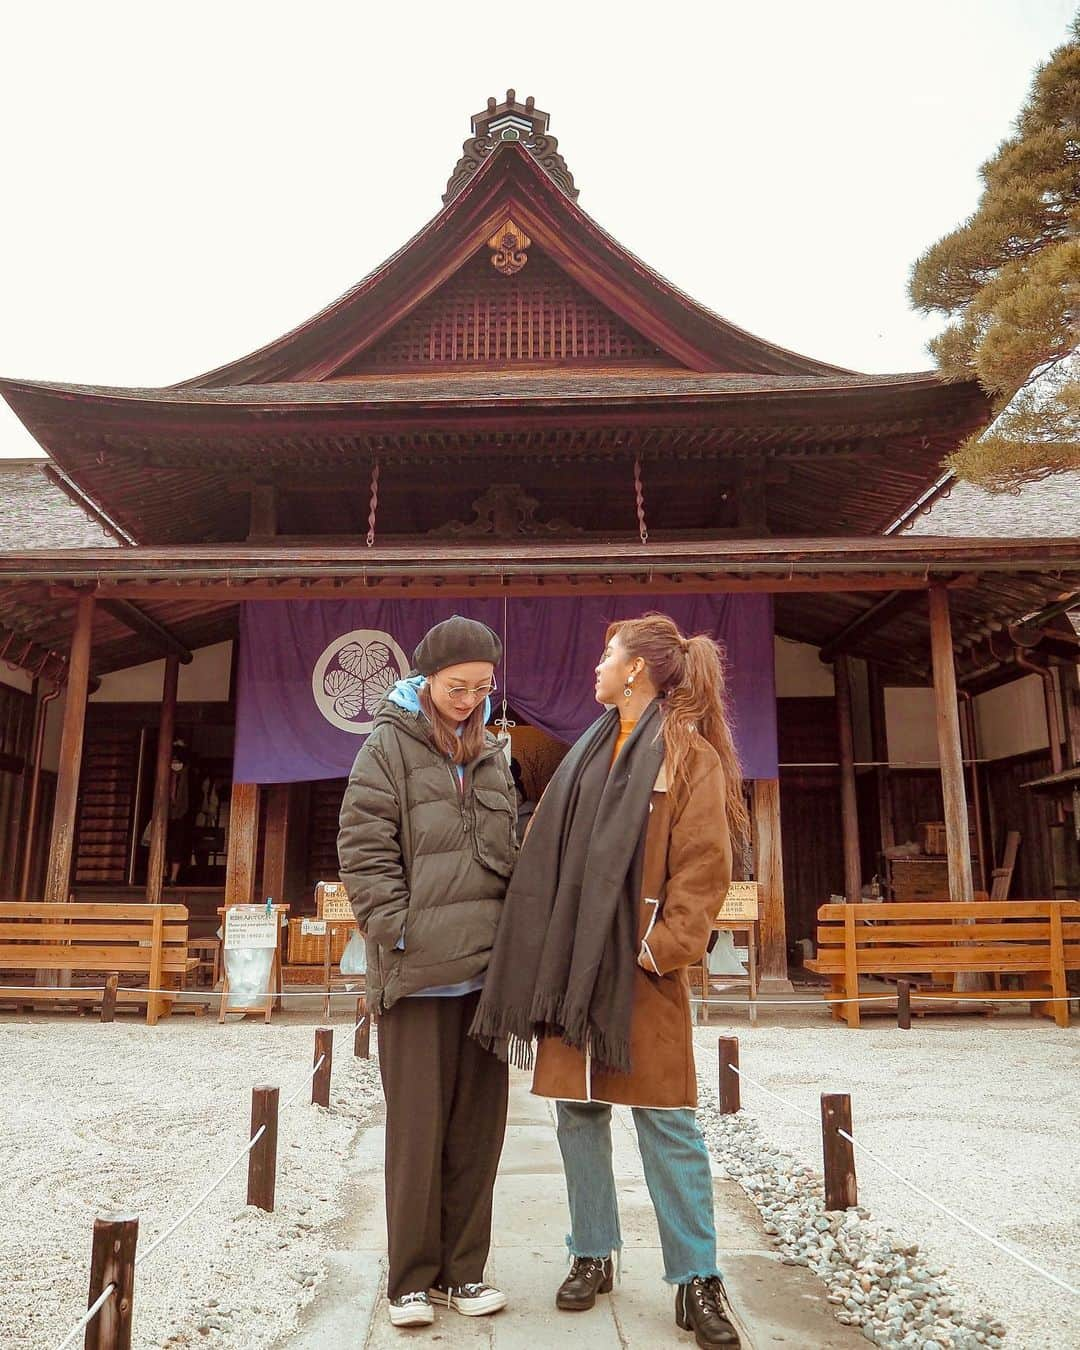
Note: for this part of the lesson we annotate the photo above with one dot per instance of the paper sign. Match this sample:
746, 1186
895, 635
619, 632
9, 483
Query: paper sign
333, 901
313, 927
740, 903
249, 926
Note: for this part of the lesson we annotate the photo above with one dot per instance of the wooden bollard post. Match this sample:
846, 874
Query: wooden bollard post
262, 1160
108, 998
320, 1084
362, 1038
729, 1079
903, 1005
112, 1262
841, 1188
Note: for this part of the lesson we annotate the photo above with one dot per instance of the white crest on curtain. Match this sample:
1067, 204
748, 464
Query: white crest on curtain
352, 674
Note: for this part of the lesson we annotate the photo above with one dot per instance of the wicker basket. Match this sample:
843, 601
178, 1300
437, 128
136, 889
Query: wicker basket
309, 949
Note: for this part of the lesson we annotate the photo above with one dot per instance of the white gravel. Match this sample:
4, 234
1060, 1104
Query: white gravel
981, 1114
125, 1117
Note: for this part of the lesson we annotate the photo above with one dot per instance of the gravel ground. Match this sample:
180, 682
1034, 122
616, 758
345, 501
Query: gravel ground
980, 1114
124, 1117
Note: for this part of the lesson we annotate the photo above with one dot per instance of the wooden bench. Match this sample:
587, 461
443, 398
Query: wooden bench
1037, 940
97, 939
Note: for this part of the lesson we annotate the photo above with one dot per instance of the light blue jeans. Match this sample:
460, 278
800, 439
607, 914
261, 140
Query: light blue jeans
677, 1172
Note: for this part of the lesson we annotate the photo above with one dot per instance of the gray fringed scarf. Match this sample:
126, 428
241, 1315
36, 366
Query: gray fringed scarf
566, 948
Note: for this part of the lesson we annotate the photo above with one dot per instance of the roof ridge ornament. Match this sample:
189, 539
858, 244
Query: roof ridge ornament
510, 121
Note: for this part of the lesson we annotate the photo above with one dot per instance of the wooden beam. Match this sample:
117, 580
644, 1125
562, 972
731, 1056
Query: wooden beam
769, 871
62, 844
849, 804
615, 580
132, 617
243, 844
159, 817
957, 842
877, 616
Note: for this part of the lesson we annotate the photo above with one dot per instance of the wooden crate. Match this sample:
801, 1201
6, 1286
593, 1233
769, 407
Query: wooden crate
919, 878
308, 949
932, 837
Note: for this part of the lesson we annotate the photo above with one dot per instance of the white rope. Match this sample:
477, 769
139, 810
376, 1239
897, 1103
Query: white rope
959, 1218
317, 1066
205, 1195
996, 1242
88, 1316
769, 1093
195, 995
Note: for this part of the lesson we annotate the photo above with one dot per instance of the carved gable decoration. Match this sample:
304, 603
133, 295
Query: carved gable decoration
505, 511
509, 245
484, 317
523, 123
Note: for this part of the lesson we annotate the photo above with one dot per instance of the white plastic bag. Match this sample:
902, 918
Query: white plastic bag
354, 957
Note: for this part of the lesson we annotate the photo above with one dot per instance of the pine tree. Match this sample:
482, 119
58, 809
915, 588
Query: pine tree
1009, 278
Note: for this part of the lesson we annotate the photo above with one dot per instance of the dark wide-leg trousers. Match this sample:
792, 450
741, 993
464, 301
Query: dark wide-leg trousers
445, 1122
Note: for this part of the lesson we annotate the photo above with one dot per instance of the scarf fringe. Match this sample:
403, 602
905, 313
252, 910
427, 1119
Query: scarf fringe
510, 1033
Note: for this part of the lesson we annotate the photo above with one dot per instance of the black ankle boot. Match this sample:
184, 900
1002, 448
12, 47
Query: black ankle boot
589, 1276
702, 1307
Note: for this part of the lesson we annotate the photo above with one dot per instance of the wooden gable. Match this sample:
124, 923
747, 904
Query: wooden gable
481, 317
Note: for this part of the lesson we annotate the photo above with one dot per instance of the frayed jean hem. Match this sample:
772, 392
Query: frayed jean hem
613, 1250
676, 1280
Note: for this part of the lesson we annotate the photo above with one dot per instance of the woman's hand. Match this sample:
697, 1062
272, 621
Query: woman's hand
645, 961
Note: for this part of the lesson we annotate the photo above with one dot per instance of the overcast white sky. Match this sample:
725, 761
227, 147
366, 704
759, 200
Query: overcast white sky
184, 182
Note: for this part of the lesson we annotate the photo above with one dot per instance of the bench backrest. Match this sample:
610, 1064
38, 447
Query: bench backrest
1015, 935
40, 935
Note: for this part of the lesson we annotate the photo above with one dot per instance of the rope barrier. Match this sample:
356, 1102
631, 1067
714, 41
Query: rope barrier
194, 995
952, 1214
159, 1241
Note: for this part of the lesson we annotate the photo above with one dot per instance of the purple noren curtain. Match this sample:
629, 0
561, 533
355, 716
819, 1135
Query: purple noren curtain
312, 671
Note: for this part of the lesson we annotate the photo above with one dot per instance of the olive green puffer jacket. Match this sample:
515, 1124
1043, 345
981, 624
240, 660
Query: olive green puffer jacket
424, 861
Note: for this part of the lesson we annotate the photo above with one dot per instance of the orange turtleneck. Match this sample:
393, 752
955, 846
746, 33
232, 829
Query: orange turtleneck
625, 731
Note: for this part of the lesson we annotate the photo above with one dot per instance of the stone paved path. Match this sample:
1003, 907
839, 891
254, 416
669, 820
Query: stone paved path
780, 1305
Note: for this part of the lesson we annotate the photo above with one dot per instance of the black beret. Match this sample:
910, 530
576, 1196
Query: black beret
454, 642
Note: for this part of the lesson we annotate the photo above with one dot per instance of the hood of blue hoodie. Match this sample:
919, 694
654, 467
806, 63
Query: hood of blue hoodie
406, 694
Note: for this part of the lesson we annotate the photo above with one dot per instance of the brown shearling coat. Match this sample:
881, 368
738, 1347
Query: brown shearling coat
686, 871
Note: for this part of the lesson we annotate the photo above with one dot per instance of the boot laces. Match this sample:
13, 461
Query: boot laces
709, 1295
587, 1266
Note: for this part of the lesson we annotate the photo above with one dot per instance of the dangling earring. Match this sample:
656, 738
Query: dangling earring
628, 688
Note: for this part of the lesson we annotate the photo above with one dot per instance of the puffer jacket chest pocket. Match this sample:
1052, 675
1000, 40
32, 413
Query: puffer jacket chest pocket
494, 837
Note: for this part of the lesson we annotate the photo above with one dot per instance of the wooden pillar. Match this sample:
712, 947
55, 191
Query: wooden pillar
1070, 701
849, 806
957, 843
61, 848
769, 871
159, 817
243, 844
276, 847
879, 739
969, 739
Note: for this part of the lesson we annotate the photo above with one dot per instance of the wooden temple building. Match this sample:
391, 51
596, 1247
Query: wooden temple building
511, 406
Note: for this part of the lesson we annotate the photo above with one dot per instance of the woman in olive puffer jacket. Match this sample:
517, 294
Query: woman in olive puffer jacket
426, 846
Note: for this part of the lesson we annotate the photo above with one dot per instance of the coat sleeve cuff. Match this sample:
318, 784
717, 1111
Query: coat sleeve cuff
666, 951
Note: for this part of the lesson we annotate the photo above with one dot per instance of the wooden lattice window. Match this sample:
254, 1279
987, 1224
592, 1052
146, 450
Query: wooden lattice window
482, 317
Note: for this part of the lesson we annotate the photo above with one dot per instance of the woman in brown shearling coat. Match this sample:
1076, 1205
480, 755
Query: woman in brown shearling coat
619, 880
